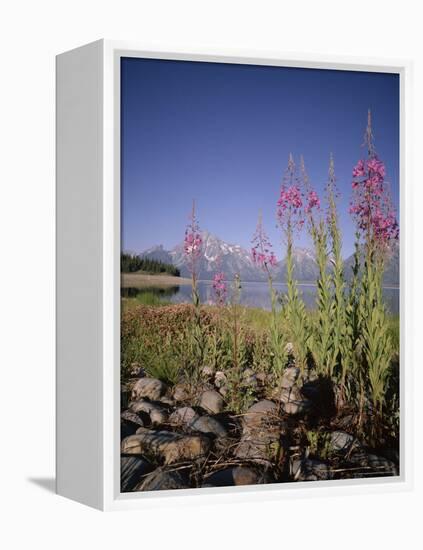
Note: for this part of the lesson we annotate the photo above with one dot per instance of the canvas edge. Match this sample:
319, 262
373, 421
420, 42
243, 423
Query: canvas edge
113, 499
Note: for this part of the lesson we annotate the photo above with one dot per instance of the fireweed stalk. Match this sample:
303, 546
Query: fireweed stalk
219, 288
193, 250
376, 222
324, 344
342, 342
290, 219
263, 256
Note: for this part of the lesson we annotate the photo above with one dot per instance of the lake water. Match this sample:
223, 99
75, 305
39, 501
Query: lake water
252, 294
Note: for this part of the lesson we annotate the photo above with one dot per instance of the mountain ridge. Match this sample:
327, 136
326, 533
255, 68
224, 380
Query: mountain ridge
218, 255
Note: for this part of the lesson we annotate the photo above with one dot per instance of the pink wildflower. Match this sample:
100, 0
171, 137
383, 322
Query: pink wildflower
290, 202
193, 243
219, 288
371, 203
261, 252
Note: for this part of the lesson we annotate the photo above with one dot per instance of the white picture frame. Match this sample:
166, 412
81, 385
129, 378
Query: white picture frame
88, 278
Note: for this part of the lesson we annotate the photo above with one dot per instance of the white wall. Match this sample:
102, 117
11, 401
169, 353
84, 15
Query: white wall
32, 33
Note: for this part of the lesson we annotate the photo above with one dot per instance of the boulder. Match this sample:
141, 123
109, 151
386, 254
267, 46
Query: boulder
238, 475
152, 388
169, 446
289, 377
131, 470
293, 402
260, 446
156, 413
260, 414
341, 441
310, 470
208, 425
183, 416
211, 401
261, 437
181, 392
207, 372
160, 480
133, 417
127, 428
378, 465
220, 379
167, 401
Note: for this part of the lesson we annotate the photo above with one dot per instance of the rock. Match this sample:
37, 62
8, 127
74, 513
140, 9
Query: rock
211, 401
260, 439
382, 465
341, 441
131, 416
136, 371
127, 428
156, 413
183, 416
131, 470
260, 414
378, 464
125, 394
239, 475
289, 348
208, 425
181, 392
293, 402
220, 379
148, 387
167, 401
207, 372
289, 377
260, 446
171, 447
160, 480
224, 391
310, 470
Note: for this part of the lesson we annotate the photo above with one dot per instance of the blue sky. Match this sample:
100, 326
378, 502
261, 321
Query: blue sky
221, 134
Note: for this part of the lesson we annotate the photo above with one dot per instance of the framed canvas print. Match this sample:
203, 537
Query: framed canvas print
232, 275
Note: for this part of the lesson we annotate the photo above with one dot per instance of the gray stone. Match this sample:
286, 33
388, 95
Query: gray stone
341, 441
377, 464
208, 425
293, 402
310, 470
211, 401
207, 371
148, 387
220, 379
163, 481
289, 377
131, 416
239, 475
156, 413
181, 392
167, 401
171, 447
262, 427
131, 470
260, 414
183, 416
260, 446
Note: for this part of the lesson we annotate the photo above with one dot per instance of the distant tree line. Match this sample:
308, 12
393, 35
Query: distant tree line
130, 263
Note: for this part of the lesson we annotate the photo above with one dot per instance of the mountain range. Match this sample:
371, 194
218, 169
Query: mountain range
219, 255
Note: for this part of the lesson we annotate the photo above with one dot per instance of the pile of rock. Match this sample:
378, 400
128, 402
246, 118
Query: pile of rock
180, 437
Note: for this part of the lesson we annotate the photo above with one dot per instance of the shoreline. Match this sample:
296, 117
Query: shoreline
143, 280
